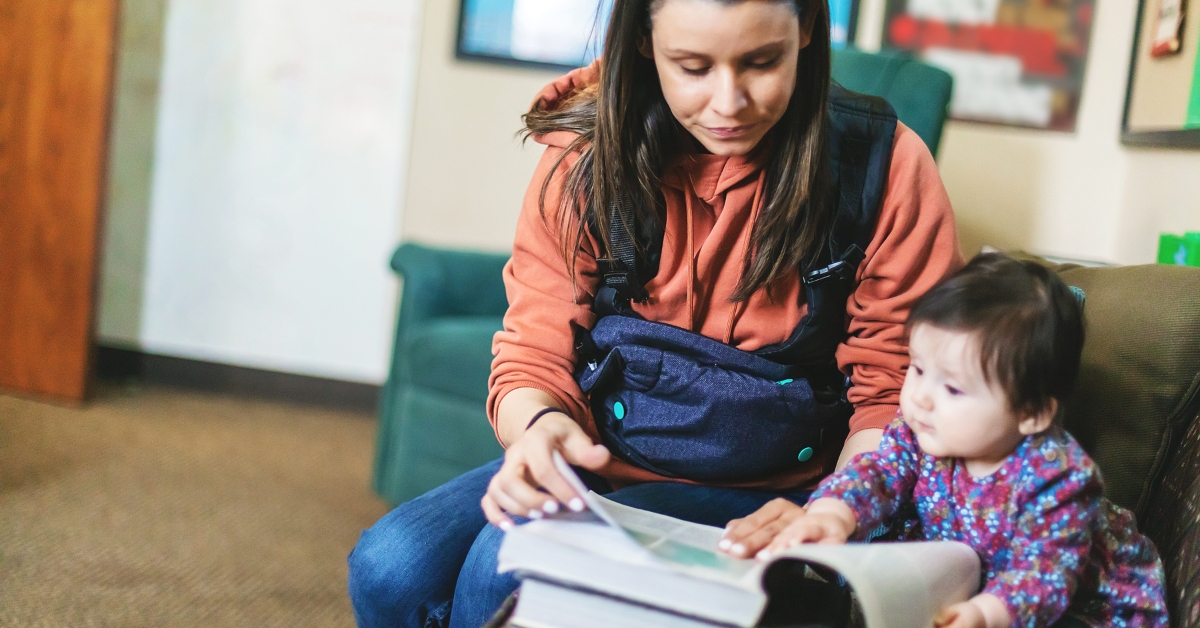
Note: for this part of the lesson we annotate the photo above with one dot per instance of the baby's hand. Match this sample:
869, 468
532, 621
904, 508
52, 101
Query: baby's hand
961, 615
825, 521
982, 611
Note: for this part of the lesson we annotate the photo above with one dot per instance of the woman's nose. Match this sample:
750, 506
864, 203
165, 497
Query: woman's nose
729, 97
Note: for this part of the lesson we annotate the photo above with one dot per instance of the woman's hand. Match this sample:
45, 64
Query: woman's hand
982, 611
528, 466
746, 536
824, 521
781, 524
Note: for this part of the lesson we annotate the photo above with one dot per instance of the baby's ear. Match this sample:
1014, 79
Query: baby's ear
1036, 423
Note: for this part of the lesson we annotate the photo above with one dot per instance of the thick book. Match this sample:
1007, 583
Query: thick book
632, 563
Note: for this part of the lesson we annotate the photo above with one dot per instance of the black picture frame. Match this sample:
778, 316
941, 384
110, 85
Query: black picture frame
462, 54
1182, 138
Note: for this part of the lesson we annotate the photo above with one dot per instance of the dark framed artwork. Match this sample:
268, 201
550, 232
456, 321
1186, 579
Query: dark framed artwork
1162, 100
1014, 62
553, 34
565, 34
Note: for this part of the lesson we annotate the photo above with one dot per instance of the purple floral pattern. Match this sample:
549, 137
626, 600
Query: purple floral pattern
1050, 542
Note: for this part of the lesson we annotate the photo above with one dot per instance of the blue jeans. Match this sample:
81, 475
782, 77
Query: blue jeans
437, 553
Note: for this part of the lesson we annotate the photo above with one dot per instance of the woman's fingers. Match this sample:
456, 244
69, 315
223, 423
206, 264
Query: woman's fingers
755, 542
495, 514
578, 449
505, 501
516, 484
543, 472
777, 513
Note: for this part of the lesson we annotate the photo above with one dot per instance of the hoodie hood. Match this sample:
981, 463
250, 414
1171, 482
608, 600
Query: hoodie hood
560, 91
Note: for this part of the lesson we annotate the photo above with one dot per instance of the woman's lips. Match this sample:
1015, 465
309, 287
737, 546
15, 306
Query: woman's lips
729, 132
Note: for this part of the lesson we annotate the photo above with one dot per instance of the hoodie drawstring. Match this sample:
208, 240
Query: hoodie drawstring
738, 307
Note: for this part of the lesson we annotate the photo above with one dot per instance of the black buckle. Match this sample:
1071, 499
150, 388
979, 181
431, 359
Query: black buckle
617, 276
843, 269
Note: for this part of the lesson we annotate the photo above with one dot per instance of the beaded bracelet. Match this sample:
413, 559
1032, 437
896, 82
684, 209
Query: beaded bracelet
543, 412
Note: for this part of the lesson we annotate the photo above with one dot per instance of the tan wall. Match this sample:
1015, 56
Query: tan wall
1078, 194
468, 172
130, 169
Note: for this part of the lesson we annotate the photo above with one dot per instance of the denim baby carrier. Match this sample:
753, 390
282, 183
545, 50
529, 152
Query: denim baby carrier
683, 405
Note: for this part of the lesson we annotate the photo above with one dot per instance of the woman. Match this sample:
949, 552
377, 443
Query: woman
700, 153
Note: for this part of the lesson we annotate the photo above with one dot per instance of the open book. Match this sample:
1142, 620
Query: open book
618, 557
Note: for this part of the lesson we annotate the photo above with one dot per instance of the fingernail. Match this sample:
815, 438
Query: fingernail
506, 525
725, 544
739, 549
535, 514
575, 504
763, 554
550, 507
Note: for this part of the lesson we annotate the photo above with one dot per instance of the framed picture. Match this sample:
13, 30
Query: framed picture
554, 34
1168, 30
1162, 100
565, 34
1014, 62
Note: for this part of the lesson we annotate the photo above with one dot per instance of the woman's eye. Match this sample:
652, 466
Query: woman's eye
763, 64
701, 71
953, 391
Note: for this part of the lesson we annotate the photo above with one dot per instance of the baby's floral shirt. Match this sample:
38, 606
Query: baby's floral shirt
1050, 542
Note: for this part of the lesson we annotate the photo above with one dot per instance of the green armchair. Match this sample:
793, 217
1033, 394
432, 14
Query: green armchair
920, 93
432, 426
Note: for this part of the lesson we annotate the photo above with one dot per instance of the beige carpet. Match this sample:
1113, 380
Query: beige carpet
156, 507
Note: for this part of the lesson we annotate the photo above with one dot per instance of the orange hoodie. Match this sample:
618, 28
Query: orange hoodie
711, 203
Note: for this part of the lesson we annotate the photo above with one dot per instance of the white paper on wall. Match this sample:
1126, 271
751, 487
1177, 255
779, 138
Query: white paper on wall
989, 87
282, 143
955, 11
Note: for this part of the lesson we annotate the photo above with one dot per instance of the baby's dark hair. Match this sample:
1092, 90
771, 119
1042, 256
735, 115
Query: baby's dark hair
1029, 324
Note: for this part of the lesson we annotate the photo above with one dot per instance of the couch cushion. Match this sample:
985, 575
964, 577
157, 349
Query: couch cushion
451, 355
1139, 380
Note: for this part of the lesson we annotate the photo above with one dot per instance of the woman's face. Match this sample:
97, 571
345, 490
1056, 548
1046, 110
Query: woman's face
727, 70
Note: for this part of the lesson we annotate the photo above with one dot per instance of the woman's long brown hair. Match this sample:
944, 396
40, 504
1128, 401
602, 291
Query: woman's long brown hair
627, 137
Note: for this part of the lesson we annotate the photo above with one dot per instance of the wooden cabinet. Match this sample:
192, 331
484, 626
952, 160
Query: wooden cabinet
56, 65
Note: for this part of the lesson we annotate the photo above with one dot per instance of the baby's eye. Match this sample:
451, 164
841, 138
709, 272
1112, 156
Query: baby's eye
953, 391
916, 369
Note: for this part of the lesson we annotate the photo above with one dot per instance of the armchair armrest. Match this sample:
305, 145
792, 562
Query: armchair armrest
1172, 521
443, 282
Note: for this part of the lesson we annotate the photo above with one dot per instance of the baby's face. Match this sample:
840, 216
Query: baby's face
953, 410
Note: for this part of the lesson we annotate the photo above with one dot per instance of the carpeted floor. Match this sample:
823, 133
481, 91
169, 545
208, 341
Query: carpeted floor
157, 507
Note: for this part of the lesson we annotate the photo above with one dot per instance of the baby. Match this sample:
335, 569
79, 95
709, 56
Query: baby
977, 449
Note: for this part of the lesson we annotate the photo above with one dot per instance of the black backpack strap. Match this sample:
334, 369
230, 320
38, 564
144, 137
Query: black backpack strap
863, 127
861, 133
622, 280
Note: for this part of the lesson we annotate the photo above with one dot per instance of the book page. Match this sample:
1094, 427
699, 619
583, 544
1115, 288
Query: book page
899, 585
685, 546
